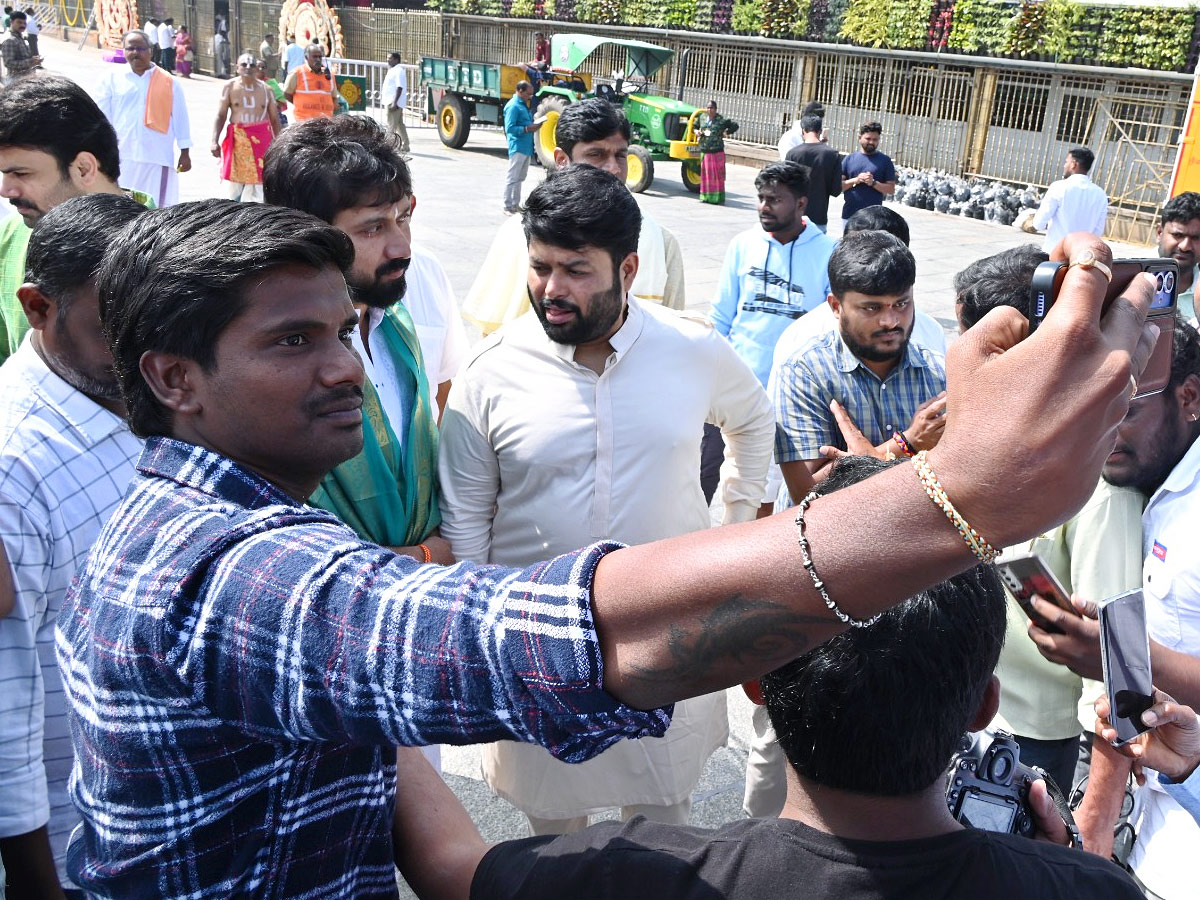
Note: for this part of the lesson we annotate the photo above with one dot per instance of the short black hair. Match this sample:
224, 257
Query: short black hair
1084, 157
16, 14
998, 280
792, 175
811, 123
68, 243
324, 166
587, 121
868, 127
878, 218
175, 278
1185, 356
1181, 208
880, 710
56, 116
394, 55
872, 263
168, 21
522, 86
582, 206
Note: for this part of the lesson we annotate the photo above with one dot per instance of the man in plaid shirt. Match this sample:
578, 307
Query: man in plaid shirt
240, 665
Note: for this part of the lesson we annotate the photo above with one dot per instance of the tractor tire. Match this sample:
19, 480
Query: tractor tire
641, 169
453, 121
690, 173
545, 138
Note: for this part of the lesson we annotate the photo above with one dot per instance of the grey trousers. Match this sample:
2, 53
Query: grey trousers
395, 119
518, 168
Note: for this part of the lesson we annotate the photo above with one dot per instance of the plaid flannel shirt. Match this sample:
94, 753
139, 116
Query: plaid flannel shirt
240, 667
824, 369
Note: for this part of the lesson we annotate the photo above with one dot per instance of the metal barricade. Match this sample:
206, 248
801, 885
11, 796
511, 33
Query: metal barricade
375, 73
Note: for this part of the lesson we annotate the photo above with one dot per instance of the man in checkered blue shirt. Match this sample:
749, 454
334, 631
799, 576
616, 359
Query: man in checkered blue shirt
890, 388
240, 666
66, 457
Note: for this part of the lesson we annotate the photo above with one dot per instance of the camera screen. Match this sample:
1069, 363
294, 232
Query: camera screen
987, 813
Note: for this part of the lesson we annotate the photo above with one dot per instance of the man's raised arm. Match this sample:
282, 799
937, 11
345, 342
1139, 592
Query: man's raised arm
1030, 423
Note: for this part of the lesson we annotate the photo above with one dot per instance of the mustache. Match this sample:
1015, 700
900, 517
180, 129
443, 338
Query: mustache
888, 331
392, 265
335, 399
565, 305
20, 203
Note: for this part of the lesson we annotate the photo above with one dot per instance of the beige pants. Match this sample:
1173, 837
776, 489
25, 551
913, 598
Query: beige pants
766, 768
674, 814
395, 119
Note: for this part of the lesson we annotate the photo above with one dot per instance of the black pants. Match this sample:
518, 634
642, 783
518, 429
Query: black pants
168, 58
31, 39
1058, 758
155, 55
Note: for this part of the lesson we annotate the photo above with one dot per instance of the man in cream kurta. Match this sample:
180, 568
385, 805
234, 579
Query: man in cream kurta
540, 453
147, 153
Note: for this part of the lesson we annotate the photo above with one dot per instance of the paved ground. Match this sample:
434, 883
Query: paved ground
459, 210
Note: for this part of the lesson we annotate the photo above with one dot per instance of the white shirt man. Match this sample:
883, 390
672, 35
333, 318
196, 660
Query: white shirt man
1072, 204
1167, 833
166, 36
440, 332
147, 153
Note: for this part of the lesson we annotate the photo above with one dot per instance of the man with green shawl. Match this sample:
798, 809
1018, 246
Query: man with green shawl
349, 171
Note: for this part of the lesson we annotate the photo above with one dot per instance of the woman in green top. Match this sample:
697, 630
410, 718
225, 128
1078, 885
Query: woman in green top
713, 129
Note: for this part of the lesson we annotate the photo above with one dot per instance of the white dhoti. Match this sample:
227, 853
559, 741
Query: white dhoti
160, 182
644, 772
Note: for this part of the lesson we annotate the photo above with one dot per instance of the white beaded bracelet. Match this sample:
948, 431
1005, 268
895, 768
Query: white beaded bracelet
806, 558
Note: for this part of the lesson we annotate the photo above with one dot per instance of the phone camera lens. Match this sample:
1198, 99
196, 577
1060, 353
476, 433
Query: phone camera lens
1168, 283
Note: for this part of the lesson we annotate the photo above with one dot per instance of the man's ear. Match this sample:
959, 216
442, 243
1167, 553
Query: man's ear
754, 691
39, 309
560, 158
628, 270
989, 704
1187, 395
172, 380
85, 172
835, 306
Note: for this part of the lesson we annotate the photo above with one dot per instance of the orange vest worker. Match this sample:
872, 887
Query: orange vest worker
312, 98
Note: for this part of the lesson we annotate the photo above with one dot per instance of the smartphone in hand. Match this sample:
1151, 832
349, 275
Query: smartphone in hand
1027, 575
1125, 655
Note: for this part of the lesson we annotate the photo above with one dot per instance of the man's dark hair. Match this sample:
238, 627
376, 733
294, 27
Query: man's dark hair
7, 10
870, 126
998, 280
394, 55
175, 278
17, 16
872, 263
792, 175
168, 21
811, 123
878, 218
56, 116
1181, 208
880, 710
68, 243
1084, 157
582, 206
587, 121
325, 166
1185, 357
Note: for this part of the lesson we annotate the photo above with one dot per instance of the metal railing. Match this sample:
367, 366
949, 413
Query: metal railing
375, 73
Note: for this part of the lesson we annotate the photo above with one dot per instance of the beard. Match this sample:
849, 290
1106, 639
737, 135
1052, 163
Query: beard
605, 309
378, 293
1148, 474
868, 352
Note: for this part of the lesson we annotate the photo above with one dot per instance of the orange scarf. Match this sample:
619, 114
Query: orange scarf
160, 96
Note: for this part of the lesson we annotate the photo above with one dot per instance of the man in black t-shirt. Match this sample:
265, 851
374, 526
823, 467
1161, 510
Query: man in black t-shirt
825, 165
868, 722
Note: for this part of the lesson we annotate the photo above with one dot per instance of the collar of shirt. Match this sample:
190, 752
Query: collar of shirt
1077, 177
848, 362
622, 341
209, 472
91, 421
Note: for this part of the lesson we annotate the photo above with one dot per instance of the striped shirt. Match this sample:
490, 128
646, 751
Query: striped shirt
824, 369
64, 464
240, 667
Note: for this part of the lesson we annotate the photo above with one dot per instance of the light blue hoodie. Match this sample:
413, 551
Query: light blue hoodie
765, 286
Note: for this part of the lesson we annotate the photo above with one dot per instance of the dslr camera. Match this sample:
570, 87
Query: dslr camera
988, 788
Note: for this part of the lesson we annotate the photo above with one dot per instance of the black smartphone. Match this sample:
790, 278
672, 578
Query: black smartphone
1048, 277
1125, 656
1027, 575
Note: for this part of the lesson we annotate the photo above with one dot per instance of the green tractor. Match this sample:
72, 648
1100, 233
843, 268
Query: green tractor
661, 129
